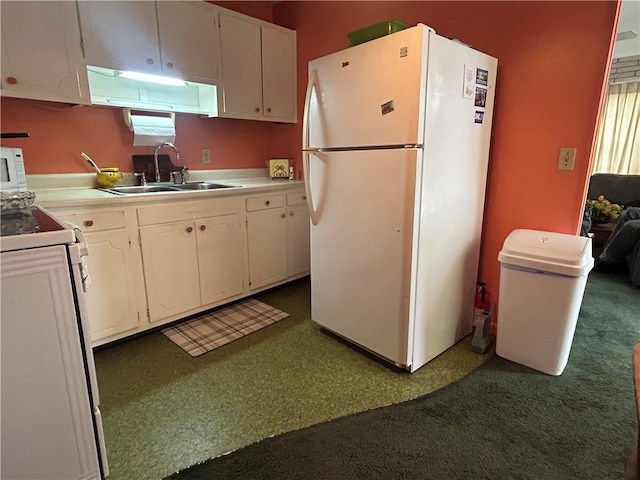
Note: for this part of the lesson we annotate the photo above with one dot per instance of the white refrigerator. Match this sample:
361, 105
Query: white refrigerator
396, 138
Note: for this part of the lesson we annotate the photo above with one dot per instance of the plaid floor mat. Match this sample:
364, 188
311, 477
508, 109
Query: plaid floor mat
212, 330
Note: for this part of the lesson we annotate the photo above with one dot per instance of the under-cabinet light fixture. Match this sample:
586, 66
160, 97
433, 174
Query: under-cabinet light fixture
147, 77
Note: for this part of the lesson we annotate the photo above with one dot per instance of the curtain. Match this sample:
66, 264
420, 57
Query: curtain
618, 143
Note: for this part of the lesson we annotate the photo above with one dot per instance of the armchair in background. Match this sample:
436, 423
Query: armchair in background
624, 251
621, 189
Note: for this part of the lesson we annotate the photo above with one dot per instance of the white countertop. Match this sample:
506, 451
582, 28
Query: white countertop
66, 190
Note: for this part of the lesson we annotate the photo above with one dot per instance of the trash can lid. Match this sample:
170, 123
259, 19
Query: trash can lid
548, 251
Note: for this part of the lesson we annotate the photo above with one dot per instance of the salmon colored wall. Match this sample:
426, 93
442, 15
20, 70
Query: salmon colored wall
553, 60
59, 132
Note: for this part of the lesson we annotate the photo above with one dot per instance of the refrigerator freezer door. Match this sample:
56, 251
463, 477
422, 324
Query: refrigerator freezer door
371, 94
361, 247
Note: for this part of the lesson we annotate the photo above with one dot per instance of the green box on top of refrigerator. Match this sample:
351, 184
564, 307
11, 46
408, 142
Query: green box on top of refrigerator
374, 31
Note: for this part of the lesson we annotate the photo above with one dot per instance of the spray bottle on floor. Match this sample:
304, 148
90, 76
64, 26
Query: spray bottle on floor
481, 340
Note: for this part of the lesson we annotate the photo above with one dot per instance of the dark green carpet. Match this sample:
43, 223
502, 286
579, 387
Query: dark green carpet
503, 421
164, 410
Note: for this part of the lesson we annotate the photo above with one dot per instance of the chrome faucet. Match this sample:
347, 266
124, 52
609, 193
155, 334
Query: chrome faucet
179, 176
155, 157
142, 178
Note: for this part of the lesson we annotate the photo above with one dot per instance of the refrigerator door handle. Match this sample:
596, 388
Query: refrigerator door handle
307, 103
306, 151
313, 214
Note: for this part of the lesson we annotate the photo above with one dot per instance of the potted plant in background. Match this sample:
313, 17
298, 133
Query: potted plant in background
603, 211
601, 216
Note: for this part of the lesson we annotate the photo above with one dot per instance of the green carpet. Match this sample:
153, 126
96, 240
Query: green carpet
503, 421
164, 410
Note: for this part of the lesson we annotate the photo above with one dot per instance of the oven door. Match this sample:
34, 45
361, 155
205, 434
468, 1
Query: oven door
48, 426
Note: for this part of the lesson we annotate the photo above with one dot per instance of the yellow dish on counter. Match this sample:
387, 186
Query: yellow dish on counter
108, 177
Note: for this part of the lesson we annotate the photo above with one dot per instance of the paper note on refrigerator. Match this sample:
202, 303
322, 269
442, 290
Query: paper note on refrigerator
468, 82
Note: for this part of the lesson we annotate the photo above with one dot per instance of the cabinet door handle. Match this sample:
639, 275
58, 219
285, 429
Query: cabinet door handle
189, 229
291, 214
304, 197
150, 61
282, 215
12, 80
268, 202
169, 65
203, 227
88, 223
268, 110
257, 109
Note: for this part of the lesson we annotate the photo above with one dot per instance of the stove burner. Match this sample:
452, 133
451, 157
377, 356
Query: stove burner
27, 220
18, 222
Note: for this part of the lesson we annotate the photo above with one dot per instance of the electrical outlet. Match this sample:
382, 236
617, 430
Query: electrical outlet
567, 158
206, 155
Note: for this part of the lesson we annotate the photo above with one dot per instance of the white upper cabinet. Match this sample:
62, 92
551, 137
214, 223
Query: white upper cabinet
241, 92
236, 66
41, 54
120, 35
174, 38
279, 73
189, 40
258, 74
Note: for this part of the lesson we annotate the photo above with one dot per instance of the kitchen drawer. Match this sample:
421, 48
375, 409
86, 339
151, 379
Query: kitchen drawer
264, 202
178, 212
96, 221
296, 198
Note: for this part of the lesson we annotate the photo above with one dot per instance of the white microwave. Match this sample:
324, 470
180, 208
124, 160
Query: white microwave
12, 175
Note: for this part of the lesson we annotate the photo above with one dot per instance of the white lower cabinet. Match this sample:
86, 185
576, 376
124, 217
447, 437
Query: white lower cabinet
267, 237
192, 264
278, 238
221, 254
155, 262
170, 257
110, 263
115, 298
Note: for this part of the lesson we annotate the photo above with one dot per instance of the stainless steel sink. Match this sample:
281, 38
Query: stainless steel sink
165, 188
200, 186
140, 189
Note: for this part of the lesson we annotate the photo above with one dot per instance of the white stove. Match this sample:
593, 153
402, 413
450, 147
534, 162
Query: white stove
50, 398
31, 228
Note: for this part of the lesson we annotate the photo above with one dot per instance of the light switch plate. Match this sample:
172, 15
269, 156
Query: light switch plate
567, 158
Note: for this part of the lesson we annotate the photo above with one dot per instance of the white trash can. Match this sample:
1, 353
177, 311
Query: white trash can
542, 281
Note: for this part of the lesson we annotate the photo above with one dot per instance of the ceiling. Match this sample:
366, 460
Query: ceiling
629, 22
